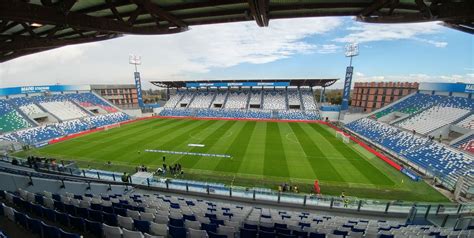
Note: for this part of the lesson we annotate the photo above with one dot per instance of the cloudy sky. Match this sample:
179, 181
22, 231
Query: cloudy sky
310, 47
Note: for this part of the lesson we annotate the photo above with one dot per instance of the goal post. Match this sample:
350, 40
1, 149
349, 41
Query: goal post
345, 138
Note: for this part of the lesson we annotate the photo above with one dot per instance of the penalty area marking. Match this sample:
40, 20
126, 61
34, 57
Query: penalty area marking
291, 137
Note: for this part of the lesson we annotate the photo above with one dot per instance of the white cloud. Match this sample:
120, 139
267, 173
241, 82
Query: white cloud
171, 56
363, 32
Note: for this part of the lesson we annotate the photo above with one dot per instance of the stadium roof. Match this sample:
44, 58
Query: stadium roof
292, 82
30, 26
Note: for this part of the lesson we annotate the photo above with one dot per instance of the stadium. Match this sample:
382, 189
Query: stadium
225, 158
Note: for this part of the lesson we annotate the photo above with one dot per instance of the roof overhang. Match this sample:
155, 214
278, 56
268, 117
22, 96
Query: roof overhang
30, 26
310, 82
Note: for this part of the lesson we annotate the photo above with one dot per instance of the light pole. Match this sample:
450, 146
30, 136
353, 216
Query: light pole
352, 50
137, 60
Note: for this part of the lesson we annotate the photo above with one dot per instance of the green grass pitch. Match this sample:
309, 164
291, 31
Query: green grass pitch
264, 154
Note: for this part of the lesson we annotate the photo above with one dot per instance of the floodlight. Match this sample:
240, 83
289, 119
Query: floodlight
352, 50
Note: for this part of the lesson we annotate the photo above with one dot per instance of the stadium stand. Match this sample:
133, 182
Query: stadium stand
431, 155
10, 119
185, 99
219, 99
202, 99
243, 103
256, 99
274, 100
433, 118
237, 100
294, 99
308, 100
90, 100
146, 215
411, 105
171, 103
466, 144
16, 110
64, 110
467, 123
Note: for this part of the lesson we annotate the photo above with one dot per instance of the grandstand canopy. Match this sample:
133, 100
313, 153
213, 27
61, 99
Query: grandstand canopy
245, 83
29, 26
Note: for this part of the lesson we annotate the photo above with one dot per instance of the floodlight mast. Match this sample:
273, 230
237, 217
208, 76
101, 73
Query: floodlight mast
135, 60
352, 50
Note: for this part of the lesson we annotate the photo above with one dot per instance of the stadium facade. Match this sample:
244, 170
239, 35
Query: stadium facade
368, 97
121, 95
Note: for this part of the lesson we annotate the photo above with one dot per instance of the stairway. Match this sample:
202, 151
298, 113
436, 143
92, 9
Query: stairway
301, 99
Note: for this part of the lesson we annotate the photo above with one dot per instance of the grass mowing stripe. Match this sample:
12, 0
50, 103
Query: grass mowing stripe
151, 140
237, 149
321, 165
209, 141
178, 140
274, 163
100, 147
368, 170
112, 140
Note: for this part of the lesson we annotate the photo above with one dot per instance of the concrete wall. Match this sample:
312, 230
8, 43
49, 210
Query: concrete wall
12, 182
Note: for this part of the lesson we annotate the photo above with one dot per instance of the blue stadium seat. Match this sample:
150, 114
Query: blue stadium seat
143, 226
50, 231
177, 232
77, 222
248, 233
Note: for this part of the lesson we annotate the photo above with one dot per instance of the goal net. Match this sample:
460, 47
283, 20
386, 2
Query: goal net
345, 138
111, 126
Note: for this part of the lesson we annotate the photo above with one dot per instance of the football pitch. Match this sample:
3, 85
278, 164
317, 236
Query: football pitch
262, 154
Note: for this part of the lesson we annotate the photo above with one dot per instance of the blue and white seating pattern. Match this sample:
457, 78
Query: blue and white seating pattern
202, 99
433, 118
292, 115
186, 99
256, 97
220, 97
90, 100
64, 110
274, 100
233, 103
293, 97
308, 99
413, 104
10, 119
428, 154
237, 100
176, 112
467, 123
466, 144
146, 215
44, 133
171, 103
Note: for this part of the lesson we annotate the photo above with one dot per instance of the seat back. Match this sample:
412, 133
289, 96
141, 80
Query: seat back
175, 231
132, 234
193, 233
50, 231
125, 222
143, 226
159, 229
111, 231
